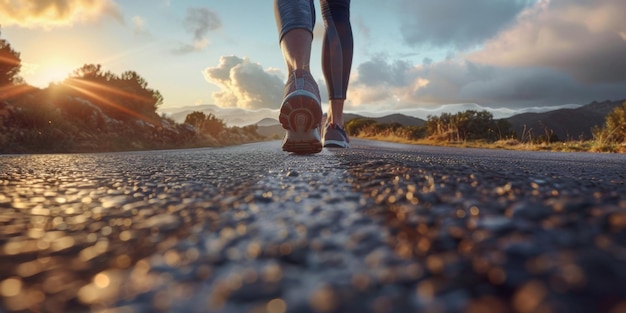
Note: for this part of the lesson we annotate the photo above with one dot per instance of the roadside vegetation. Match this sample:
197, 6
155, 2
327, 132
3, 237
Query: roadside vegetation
94, 110
481, 130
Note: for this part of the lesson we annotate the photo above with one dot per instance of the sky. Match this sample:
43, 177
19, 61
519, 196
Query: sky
417, 57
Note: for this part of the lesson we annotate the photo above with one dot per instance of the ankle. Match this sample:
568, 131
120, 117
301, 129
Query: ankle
335, 112
335, 122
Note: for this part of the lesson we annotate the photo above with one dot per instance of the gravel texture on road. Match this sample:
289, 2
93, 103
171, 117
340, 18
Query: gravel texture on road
375, 228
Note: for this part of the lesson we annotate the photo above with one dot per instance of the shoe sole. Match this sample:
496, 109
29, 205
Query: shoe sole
336, 144
301, 115
302, 147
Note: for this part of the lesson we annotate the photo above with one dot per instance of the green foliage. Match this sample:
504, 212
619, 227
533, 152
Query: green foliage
468, 125
210, 124
355, 126
123, 97
10, 64
95, 111
614, 129
547, 138
196, 119
412, 132
365, 127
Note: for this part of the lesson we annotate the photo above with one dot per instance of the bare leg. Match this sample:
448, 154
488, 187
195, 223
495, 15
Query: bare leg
335, 112
300, 111
296, 48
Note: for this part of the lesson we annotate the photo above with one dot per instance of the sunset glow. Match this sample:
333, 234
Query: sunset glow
47, 74
52, 66
97, 93
407, 54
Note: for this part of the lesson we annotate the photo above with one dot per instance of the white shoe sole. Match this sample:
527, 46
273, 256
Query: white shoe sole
335, 144
301, 116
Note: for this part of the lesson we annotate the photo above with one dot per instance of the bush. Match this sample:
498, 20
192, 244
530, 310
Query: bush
96, 111
468, 125
210, 124
614, 130
355, 126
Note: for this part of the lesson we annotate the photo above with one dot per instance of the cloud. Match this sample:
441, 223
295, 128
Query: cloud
584, 39
140, 26
362, 28
199, 22
383, 81
464, 81
379, 71
458, 24
54, 13
197, 45
555, 52
245, 84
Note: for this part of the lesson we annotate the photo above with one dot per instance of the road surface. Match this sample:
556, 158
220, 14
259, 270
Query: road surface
377, 228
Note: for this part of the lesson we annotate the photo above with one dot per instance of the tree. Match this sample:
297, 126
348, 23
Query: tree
614, 130
196, 119
147, 100
205, 124
503, 129
10, 64
214, 126
121, 97
443, 126
91, 72
468, 125
355, 126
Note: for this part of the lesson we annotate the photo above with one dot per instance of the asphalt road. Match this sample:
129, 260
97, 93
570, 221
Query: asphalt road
376, 228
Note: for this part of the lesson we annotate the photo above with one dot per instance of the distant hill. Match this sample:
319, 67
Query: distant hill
230, 116
567, 124
268, 121
572, 124
270, 127
405, 120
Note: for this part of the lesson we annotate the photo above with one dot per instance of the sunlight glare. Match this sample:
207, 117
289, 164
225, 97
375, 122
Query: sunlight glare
43, 75
54, 74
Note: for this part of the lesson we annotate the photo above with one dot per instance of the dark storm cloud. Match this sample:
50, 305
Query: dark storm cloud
583, 38
509, 86
380, 71
459, 81
456, 23
555, 52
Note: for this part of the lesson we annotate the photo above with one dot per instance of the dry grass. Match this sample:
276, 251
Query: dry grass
510, 144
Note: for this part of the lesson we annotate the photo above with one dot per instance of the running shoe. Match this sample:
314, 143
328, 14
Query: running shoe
301, 114
335, 137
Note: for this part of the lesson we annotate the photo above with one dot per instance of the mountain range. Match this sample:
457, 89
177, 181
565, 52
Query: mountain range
566, 124
230, 116
234, 116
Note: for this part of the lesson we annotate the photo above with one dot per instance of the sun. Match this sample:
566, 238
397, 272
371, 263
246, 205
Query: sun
44, 74
54, 73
